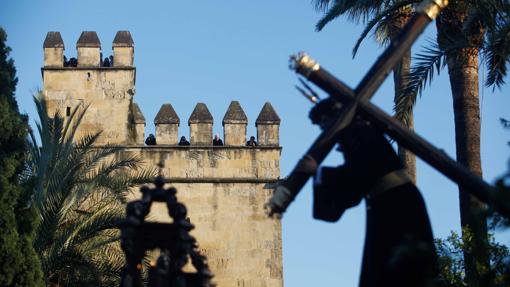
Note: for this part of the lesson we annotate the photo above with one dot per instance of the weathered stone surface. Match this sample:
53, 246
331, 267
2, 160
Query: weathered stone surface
267, 115
200, 114
224, 189
167, 134
53, 50
88, 39
268, 126
89, 49
200, 125
138, 117
53, 40
234, 134
200, 133
123, 39
194, 162
234, 125
123, 49
243, 246
89, 57
139, 124
167, 115
53, 57
139, 136
123, 56
167, 125
235, 114
108, 92
268, 135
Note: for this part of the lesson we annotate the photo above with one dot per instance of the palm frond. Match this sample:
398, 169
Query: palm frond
80, 191
334, 12
356, 11
427, 63
321, 5
497, 52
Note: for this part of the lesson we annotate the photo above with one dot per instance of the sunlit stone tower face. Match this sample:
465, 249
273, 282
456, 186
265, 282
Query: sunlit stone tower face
223, 187
106, 91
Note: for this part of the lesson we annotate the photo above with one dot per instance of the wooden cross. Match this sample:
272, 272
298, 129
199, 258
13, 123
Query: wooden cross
358, 101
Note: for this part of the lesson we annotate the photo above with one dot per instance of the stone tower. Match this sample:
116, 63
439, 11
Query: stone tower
106, 91
224, 187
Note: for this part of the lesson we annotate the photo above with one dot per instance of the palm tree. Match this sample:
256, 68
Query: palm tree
462, 63
387, 26
80, 191
467, 31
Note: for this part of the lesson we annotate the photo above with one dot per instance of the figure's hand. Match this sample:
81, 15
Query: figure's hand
279, 202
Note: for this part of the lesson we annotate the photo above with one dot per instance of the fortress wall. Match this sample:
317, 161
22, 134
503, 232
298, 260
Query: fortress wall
208, 163
223, 187
105, 91
242, 244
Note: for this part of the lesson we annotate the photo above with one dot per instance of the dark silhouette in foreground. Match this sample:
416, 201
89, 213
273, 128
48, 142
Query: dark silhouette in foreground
399, 247
177, 247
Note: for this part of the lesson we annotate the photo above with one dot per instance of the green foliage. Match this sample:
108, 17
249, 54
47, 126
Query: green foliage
355, 10
427, 64
80, 191
19, 265
498, 221
494, 18
377, 15
506, 124
451, 261
492, 15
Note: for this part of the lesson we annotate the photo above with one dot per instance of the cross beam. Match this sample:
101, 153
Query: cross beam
413, 142
357, 100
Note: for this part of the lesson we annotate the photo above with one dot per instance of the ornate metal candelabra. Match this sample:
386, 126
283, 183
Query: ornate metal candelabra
173, 240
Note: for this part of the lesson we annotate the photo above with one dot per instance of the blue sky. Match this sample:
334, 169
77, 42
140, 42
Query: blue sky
217, 51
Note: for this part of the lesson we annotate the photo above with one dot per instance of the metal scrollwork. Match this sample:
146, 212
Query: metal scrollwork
173, 240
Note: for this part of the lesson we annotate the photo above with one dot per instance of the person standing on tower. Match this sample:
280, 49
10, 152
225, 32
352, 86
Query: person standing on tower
217, 141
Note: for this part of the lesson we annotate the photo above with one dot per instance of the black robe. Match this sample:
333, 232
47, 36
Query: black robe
399, 246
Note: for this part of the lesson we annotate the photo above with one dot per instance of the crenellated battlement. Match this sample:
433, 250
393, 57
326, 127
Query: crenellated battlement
89, 51
223, 186
106, 86
201, 122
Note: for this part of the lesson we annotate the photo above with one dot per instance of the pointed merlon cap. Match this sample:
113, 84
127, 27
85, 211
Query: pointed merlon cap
200, 114
235, 114
53, 40
268, 115
138, 117
88, 39
166, 115
123, 39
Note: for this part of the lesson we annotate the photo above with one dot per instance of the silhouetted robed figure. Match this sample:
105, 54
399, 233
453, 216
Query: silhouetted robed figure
217, 141
251, 142
106, 62
151, 140
183, 141
399, 247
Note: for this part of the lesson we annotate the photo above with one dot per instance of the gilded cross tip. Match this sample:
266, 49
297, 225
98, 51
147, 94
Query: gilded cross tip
432, 8
303, 64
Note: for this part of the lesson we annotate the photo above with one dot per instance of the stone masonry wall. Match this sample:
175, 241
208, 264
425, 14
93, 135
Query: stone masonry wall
223, 187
